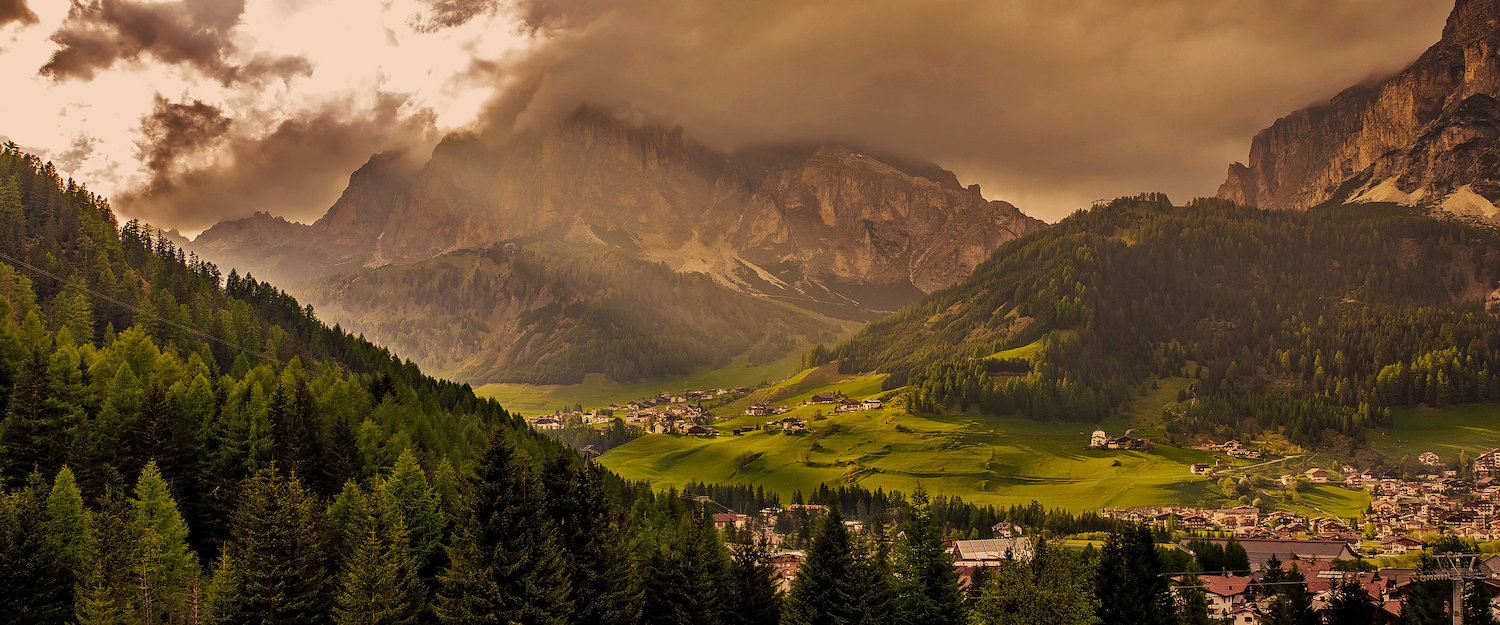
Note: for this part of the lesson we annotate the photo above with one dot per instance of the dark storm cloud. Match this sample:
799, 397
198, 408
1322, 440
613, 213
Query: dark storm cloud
205, 169
442, 14
1050, 104
16, 11
194, 33
175, 131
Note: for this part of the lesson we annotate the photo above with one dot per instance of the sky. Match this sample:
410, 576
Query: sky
188, 112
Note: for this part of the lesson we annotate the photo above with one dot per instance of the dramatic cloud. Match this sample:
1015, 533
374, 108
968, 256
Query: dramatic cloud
174, 133
205, 169
16, 11
449, 13
194, 33
1049, 104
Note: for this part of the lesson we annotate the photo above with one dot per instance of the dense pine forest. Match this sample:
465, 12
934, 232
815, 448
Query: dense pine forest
1306, 323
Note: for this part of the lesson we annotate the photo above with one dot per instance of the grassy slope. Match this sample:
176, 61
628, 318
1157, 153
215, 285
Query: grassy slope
1472, 430
999, 460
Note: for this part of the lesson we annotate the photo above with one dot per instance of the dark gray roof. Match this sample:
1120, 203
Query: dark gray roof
1261, 549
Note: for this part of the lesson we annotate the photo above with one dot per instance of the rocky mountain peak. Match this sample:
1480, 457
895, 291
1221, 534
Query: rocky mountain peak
1472, 17
1421, 137
798, 222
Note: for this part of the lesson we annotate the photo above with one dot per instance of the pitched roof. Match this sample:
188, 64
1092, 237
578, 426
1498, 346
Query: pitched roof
992, 548
1224, 586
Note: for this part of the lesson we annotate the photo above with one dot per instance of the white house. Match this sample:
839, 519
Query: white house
1098, 440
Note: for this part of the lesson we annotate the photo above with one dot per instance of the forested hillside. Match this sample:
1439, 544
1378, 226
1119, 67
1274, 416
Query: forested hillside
181, 447
1297, 322
549, 313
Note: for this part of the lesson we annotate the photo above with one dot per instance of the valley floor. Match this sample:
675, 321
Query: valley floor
983, 459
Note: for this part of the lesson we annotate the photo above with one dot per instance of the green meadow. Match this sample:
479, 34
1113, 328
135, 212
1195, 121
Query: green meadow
984, 459
1448, 432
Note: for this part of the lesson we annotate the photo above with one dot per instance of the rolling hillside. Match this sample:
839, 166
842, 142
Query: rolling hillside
1313, 324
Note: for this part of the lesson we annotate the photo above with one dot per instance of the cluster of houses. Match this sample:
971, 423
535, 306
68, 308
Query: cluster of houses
1231, 448
666, 413
1238, 597
1401, 511
1102, 440
841, 403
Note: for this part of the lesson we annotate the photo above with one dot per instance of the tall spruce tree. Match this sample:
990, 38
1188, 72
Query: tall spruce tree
590, 529
928, 592
1351, 605
504, 565
165, 570
32, 587
1129, 582
417, 504
824, 592
379, 584
1193, 604
70, 530
32, 434
110, 589
754, 597
876, 579
276, 554
1477, 607
1292, 603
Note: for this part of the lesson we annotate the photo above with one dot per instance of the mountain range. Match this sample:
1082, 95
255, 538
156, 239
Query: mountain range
824, 231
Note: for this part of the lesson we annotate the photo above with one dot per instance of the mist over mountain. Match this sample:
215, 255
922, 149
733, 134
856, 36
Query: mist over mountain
827, 229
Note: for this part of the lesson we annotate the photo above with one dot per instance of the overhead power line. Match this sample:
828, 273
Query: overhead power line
137, 309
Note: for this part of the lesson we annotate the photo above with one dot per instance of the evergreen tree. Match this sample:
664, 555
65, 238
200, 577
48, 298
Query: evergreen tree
754, 597
165, 570
110, 588
824, 592
1351, 605
276, 556
32, 435
1193, 608
1129, 582
1051, 588
33, 589
504, 566
590, 529
1235, 558
341, 461
1477, 609
1426, 603
876, 582
417, 505
70, 529
928, 592
1292, 603
379, 584
294, 424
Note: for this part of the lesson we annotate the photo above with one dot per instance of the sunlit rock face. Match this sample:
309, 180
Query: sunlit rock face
1429, 136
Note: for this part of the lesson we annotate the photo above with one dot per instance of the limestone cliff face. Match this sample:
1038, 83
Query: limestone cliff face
1426, 136
822, 223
